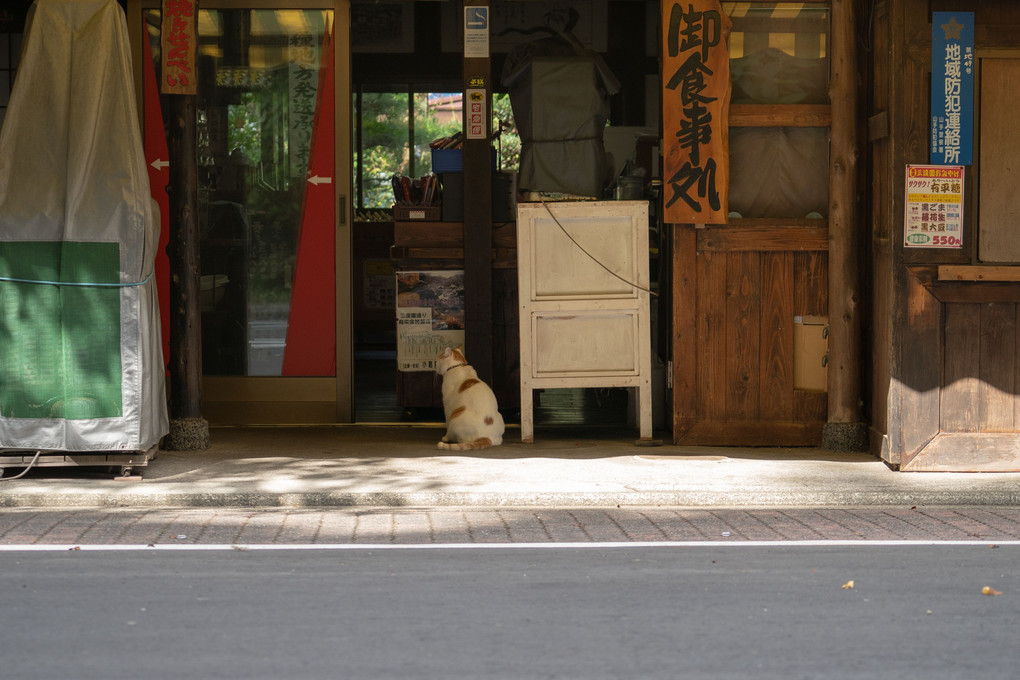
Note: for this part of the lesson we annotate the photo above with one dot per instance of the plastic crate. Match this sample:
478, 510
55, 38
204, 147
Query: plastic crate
447, 160
452, 160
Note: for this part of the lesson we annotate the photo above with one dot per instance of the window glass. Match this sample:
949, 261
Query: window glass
779, 172
395, 131
779, 53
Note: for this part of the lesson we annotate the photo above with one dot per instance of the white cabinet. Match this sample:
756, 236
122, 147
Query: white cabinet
582, 271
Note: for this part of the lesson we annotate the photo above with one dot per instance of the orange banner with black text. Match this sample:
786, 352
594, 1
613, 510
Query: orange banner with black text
695, 116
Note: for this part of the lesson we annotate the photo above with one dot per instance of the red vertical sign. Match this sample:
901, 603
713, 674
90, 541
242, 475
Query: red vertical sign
311, 330
157, 162
177, 47
695, 116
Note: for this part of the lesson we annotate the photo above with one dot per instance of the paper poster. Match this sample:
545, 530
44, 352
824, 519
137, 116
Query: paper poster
934, 207
430, 316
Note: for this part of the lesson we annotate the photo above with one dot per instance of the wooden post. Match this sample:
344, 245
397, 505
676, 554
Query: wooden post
844, 430
478, 205
188, 430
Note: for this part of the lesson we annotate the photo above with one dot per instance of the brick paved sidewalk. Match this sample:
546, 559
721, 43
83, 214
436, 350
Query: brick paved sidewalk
406, 526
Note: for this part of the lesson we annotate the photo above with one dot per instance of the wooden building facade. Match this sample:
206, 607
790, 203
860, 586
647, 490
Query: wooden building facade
766, 302
944, 331
803, 319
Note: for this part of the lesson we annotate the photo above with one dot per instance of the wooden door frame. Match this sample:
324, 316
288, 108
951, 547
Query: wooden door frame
840, 235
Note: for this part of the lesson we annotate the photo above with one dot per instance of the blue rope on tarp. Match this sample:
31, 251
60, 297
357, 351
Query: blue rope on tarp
8, 279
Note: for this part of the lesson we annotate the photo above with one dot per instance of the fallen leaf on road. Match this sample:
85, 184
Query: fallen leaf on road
990, 591
849, 585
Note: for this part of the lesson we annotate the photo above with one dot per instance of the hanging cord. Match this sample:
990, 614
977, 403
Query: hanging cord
592, 257
9, 279
25, 471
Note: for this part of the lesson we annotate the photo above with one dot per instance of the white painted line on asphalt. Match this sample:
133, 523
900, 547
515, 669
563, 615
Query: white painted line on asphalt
183, 547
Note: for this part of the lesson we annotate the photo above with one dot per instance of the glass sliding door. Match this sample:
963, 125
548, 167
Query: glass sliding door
269, 192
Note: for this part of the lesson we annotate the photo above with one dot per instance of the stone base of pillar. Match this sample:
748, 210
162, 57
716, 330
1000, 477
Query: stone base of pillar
845, 437
187, 434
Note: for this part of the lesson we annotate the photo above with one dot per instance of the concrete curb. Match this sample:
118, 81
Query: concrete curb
430, 499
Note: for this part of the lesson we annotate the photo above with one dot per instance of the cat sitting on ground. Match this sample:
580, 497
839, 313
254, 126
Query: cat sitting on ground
472, 414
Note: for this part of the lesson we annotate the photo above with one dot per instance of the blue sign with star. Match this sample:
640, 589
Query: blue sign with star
952, 88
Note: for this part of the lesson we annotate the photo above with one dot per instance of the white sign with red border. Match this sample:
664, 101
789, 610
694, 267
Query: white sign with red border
934, 207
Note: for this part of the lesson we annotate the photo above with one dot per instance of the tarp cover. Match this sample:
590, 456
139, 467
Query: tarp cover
81, 366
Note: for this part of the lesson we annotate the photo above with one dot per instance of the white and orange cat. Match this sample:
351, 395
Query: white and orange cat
472, 414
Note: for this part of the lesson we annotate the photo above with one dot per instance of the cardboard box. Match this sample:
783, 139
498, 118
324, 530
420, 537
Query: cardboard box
810, 349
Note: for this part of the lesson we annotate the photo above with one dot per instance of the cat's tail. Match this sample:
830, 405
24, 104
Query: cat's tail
480, 443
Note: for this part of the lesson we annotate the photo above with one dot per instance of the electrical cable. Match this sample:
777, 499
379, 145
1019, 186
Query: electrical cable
592, 257
25, 471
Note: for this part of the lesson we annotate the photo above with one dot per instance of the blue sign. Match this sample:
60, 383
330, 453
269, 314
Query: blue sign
477, 17
952, 88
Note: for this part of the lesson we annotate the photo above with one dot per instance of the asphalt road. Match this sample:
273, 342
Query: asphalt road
589, 611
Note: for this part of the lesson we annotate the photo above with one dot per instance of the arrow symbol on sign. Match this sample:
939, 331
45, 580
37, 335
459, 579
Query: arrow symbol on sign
159, 164
316, 180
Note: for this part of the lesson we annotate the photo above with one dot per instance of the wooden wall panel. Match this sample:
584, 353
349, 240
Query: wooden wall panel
1016, 367
1000, 80
919, 350
743, 324
959, 402
684, 350
776, 355
979, 382
810, 283
745, 303
997, 367
711, 320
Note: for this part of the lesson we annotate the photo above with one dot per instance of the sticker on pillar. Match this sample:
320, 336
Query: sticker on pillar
476, 113
476, 32
934, 207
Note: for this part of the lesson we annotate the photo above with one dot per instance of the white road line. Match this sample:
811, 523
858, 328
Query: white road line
494, 546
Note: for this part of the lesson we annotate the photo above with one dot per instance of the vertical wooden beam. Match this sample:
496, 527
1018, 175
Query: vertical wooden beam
684, 350
844, 430
478, 217
188, 430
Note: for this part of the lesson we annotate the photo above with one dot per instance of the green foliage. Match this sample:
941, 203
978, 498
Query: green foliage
244, 126
509, 143
386, 149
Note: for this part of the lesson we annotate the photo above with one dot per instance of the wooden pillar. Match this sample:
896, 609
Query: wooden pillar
188, 430
477, 202
844, 430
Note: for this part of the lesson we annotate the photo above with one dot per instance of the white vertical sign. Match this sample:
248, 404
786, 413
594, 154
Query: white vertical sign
476, 32
476, 113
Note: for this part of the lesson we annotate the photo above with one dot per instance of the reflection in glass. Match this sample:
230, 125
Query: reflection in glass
779, 56
258, 78
779, 172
